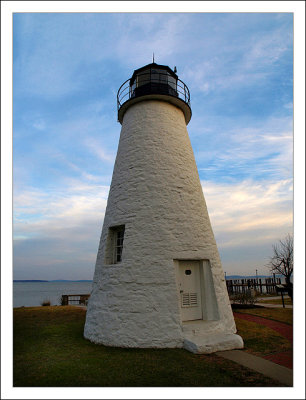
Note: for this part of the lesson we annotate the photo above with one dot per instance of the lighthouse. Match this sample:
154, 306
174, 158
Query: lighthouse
158, 280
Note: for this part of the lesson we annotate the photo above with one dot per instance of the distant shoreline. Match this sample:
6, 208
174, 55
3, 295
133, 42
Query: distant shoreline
56, 280
229, 277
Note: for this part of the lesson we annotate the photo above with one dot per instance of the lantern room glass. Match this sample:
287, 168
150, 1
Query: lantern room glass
153, 80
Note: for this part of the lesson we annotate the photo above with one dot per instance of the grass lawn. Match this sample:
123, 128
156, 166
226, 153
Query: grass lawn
260, 340
276, 301
284, 315
50, 351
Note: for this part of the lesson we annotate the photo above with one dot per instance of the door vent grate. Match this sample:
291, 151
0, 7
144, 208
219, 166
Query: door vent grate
189, 299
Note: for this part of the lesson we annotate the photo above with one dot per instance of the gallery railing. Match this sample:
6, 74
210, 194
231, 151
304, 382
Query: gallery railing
152, 83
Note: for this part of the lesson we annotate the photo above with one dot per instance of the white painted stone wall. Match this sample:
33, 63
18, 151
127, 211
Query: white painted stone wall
156, 193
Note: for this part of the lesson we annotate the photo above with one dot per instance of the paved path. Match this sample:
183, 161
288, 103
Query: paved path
283, 358
258, 364
272, 305
276, 366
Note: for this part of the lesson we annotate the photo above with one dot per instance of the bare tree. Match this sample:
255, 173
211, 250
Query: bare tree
282, 260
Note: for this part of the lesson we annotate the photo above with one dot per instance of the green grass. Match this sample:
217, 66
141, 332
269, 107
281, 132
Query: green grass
261, 340
50, 351
276, 301
284, 315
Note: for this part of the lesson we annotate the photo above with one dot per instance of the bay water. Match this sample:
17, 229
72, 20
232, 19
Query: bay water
32, 294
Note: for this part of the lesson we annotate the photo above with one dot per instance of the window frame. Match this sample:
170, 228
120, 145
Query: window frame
114, 245
118, 245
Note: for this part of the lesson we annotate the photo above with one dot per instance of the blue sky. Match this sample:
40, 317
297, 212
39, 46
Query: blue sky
67, 69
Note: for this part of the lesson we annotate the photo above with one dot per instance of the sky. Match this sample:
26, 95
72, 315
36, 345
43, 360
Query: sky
67, 69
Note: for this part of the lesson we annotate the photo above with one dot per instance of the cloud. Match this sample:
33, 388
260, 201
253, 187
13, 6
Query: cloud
98, 150
45, 213
56, 258
59, 228
161, 34
62, 228
61, 54
233, 151
268, 48
39, 124
237, 56
67, 69
249, 213
247, 218
53, 51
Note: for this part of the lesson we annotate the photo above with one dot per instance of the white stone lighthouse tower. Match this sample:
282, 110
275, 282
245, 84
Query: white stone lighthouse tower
158, 278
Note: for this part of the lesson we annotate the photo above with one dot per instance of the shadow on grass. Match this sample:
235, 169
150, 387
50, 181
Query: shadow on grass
50, 351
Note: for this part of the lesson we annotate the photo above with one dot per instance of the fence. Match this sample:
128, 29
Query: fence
267, 285
74, 299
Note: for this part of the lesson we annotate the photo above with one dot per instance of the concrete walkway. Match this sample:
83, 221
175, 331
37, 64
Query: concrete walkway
258, 364
273, 369
276, 366
271, 305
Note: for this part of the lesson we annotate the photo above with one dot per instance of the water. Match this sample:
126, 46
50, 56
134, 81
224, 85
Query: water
31, 294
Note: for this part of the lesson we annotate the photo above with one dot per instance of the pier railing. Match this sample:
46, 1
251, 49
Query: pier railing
74, 299
267, 285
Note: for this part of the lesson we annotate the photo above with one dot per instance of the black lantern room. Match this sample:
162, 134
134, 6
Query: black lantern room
154, 81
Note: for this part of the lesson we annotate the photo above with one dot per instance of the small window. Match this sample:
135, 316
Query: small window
114, 245
118, 246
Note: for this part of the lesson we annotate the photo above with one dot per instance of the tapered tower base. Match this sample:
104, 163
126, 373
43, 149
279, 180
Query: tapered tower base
158, 271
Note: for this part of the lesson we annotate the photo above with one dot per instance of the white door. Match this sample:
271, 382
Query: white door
190, 290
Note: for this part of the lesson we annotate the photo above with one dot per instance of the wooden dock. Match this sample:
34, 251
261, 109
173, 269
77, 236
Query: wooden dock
74, 299
266, 285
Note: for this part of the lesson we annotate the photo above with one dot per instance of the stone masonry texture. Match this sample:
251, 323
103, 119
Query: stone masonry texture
156, 193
